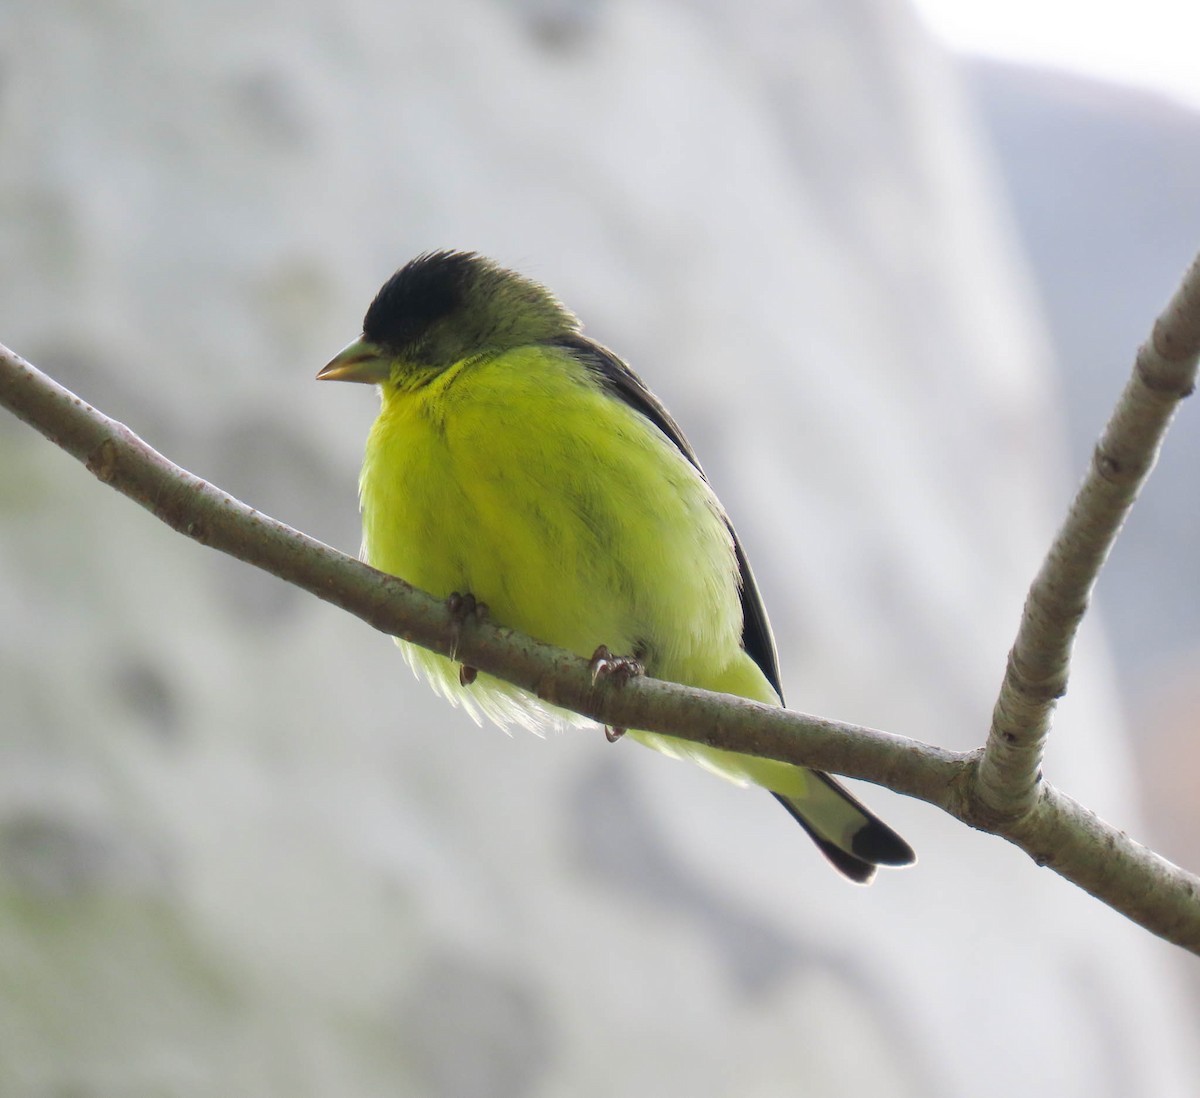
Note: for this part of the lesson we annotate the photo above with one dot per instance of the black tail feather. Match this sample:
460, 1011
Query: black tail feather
858, 870
873, 844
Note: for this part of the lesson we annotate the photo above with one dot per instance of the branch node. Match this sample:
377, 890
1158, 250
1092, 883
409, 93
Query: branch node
1157, 362
1106, 465
102, 461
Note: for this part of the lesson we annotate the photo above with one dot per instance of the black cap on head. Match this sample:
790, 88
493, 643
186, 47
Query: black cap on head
425, 290
444, 306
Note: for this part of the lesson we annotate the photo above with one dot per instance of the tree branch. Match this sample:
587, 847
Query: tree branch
204, 513
1009, 775
1055, 831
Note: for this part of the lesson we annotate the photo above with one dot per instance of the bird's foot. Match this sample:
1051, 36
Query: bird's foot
464, 608
619, 668
605, 665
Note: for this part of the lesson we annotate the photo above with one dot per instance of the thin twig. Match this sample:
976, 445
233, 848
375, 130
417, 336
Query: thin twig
1009, 776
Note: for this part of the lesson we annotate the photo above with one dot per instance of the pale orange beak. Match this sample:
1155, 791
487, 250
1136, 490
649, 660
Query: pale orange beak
360, 361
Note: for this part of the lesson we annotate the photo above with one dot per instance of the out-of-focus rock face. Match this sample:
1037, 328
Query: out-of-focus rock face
241, 851
1103, 182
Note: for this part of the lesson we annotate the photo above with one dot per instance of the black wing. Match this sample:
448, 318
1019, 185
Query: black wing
623, 383
873, 842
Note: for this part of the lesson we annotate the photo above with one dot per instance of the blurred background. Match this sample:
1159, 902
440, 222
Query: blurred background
889, 289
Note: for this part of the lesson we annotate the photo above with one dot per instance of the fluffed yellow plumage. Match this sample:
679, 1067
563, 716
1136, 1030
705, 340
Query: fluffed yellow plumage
518, 461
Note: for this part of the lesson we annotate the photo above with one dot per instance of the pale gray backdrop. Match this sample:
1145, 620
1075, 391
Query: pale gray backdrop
242, 851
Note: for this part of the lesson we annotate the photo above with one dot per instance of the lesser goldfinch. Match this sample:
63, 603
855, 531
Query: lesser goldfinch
518, 463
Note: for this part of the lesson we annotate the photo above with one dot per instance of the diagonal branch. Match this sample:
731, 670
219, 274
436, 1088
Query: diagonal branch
1009, 776
1059, 833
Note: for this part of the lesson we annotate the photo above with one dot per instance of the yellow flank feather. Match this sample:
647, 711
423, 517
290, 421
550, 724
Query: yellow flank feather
516, 461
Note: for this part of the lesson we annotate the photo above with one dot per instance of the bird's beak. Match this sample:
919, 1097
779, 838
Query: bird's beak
360, 361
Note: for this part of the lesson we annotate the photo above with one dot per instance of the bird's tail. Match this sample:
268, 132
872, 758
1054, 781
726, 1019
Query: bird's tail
854, 839
846, 831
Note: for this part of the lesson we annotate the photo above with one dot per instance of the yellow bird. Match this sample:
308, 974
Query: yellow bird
518, 463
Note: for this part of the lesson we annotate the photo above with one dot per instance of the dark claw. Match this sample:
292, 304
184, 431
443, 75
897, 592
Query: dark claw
467, 674
621, 668
463, 608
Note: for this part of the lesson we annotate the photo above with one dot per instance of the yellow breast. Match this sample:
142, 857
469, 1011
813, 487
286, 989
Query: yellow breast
519, 480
